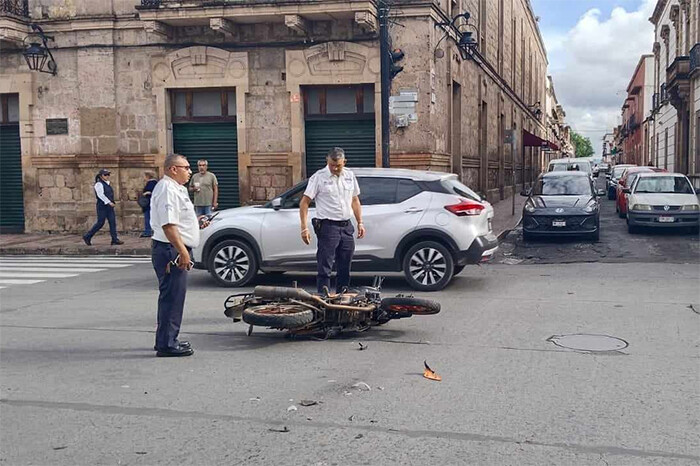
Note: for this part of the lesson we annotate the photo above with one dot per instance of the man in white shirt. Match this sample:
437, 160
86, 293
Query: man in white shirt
335, 191
175, 232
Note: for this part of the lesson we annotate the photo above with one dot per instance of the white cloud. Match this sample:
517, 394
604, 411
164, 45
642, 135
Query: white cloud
594, 63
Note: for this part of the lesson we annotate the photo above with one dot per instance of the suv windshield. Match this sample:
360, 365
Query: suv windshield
617, 171
562, 186
664, 184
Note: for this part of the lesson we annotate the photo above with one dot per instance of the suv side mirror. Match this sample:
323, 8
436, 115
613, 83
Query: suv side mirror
524, 193
277, 203
627, 190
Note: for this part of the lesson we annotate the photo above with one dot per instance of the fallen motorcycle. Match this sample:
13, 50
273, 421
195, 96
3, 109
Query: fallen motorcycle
303, 313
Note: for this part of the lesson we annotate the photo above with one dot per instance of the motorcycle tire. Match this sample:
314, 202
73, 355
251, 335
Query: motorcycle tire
416, 306
278, 315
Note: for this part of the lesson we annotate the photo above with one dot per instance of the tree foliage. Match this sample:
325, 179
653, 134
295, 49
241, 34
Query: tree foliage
582, 145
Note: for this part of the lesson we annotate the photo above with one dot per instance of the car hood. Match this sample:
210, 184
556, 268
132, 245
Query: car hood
561, 201
665, 198
246, 210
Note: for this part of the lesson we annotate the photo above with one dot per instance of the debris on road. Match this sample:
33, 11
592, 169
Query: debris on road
283, 430
60, 448
308, 402
352, 416
362, 347
692, 308
430, 374
257, 398
358, 436
292, 408
362, 386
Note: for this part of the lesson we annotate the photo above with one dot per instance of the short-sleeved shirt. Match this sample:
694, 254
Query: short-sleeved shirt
170, 204
205, 195
333, 194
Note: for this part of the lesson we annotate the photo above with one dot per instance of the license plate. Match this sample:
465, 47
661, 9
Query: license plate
666, 219
558, 223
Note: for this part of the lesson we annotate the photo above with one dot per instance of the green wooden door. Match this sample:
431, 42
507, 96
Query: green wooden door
218, 144
11, 189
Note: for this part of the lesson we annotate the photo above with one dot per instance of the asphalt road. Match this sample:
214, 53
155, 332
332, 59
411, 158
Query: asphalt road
616, 245
80, 384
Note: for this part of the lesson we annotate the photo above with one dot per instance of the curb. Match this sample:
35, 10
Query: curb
502, 235
73, 251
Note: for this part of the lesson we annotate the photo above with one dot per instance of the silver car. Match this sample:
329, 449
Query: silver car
426, 224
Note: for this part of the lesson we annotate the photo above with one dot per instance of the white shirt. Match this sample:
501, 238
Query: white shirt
170, 204
333, 194
100, 191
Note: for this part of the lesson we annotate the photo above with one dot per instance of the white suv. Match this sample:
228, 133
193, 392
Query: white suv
426, 224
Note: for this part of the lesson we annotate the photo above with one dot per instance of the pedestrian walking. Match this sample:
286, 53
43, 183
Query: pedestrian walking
145, 203
175, 232
105, 208
205, 187
335, 191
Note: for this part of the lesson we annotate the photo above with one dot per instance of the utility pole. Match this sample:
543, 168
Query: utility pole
385, 77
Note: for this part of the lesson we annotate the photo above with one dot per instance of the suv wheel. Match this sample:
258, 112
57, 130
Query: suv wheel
232, 263
428, 266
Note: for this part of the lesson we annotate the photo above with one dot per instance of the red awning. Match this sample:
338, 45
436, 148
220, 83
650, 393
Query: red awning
530, 140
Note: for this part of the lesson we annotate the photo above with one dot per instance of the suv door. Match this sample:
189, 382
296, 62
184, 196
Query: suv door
391, 208
281, 233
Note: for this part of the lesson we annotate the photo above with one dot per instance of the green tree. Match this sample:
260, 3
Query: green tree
582, 146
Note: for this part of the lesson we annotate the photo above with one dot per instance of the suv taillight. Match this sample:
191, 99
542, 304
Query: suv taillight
465, 208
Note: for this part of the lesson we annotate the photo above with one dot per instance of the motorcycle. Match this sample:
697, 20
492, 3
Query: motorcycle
303, 313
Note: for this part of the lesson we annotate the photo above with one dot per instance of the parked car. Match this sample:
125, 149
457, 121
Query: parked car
562, 203
426, 224
611, 182
662, 200
570, 164
603, 168
627, 178
595, 170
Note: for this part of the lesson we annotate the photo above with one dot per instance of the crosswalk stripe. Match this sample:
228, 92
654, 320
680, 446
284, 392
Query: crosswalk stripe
115, 260
56, 265
4, 268
4, 274
20, 282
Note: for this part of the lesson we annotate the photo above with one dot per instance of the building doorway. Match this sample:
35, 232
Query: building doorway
11, 187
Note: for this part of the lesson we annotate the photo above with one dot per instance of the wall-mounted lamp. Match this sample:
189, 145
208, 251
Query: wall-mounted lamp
37, 53
536, 109
465, 40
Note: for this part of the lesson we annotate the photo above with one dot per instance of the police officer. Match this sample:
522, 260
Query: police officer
335, 191
105, 208
175, 232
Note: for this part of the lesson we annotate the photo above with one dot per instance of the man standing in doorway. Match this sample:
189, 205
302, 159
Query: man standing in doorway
175, 233
205, 187
335, 191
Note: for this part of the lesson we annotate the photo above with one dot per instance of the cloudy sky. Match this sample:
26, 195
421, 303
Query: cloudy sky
593, 47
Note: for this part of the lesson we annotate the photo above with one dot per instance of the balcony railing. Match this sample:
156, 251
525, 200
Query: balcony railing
150, 3
14, 7
695, 58
678, 70
655, 101
663, 94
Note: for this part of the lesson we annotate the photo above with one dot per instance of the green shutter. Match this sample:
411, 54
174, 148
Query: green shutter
355, 136
218, 144
11, 189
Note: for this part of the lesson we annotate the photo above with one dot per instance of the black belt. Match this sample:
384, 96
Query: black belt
340, 223
155, 241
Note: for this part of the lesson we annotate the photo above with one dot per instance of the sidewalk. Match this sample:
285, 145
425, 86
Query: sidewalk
72, 244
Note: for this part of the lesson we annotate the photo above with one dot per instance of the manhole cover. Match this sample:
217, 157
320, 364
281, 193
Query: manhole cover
588, 342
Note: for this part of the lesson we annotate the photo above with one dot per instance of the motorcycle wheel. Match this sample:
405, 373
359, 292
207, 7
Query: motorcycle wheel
278, 315
416, 306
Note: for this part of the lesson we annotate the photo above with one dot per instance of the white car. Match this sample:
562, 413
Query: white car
426, 224
662, 200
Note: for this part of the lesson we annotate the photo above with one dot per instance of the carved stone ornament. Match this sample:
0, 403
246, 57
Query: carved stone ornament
336, 58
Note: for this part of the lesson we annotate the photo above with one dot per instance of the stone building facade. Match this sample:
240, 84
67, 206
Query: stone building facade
675, 120
262, 91
635, 110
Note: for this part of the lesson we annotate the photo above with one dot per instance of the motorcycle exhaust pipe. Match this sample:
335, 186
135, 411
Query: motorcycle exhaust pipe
281, 292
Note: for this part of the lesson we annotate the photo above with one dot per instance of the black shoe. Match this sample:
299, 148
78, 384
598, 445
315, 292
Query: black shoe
144, 235
175, 352
182, 344
117, 242
87, 240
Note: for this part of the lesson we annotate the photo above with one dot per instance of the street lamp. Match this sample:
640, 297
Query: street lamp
37, 52
465, 43
535, 109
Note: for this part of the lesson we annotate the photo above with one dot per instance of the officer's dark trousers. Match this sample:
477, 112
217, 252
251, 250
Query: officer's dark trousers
336, 244
104, 212
172, 284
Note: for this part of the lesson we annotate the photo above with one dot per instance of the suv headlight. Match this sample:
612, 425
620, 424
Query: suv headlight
690, 207
641, 207
591, 207
529, 206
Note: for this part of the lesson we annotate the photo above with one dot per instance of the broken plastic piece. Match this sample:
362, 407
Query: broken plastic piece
282, 430
292, 408
362, 347
362, 386
430, 374
308, 402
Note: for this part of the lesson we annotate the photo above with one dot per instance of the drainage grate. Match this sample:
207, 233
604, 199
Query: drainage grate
589, 342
